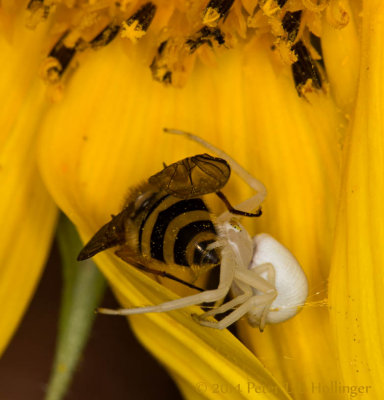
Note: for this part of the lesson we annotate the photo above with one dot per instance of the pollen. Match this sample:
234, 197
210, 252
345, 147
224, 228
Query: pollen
180, 34
136, 26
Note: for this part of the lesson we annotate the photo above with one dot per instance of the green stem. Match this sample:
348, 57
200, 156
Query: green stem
83, 289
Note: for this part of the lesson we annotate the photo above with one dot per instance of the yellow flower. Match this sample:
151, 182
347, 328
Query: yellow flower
225, 74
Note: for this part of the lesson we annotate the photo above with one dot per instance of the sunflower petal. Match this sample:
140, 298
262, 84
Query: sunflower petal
341, 54
356, 284
27, 212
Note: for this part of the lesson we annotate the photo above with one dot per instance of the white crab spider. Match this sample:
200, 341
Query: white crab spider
268, 283
270, 290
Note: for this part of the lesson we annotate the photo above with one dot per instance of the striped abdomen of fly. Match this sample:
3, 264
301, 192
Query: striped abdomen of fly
175, 231
156, 226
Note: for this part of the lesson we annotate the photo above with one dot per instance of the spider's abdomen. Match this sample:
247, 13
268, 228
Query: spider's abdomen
290, 281
176, 231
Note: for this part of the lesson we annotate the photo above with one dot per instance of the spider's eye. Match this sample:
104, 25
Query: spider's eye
235, 226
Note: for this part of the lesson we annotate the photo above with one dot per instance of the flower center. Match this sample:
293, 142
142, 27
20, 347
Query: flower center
175, 34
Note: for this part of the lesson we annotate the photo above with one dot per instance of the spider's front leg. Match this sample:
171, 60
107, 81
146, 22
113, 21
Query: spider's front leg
248, 205
256, 293
246, 293
252, 303
261, 279
208, 296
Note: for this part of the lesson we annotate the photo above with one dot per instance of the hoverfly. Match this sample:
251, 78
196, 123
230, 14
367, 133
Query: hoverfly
166, 221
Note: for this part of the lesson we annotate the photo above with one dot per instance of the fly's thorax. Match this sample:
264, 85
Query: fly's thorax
237, 238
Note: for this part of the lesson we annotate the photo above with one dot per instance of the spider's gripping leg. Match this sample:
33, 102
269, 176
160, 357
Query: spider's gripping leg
246, 280
225, 282
268, 269
240, 299
223, 308
248, 205
253, 278
254, 301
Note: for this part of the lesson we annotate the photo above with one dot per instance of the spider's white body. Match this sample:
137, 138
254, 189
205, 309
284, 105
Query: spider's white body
290, 281
268, 283
266, 280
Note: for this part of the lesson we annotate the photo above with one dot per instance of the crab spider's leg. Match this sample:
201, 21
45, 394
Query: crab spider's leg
269, 269
242, 298
216, 244
247, 205
245, 282
254, 280
246, 293
271, 278
225, 282
234, 316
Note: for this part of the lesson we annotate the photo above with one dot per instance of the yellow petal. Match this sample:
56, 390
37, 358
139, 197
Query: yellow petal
27, 212
356, 284
341, 54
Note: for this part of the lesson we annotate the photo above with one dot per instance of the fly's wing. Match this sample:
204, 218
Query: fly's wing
193, 176
110, 235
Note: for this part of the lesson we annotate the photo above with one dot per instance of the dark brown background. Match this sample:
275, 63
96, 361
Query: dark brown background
113, 366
